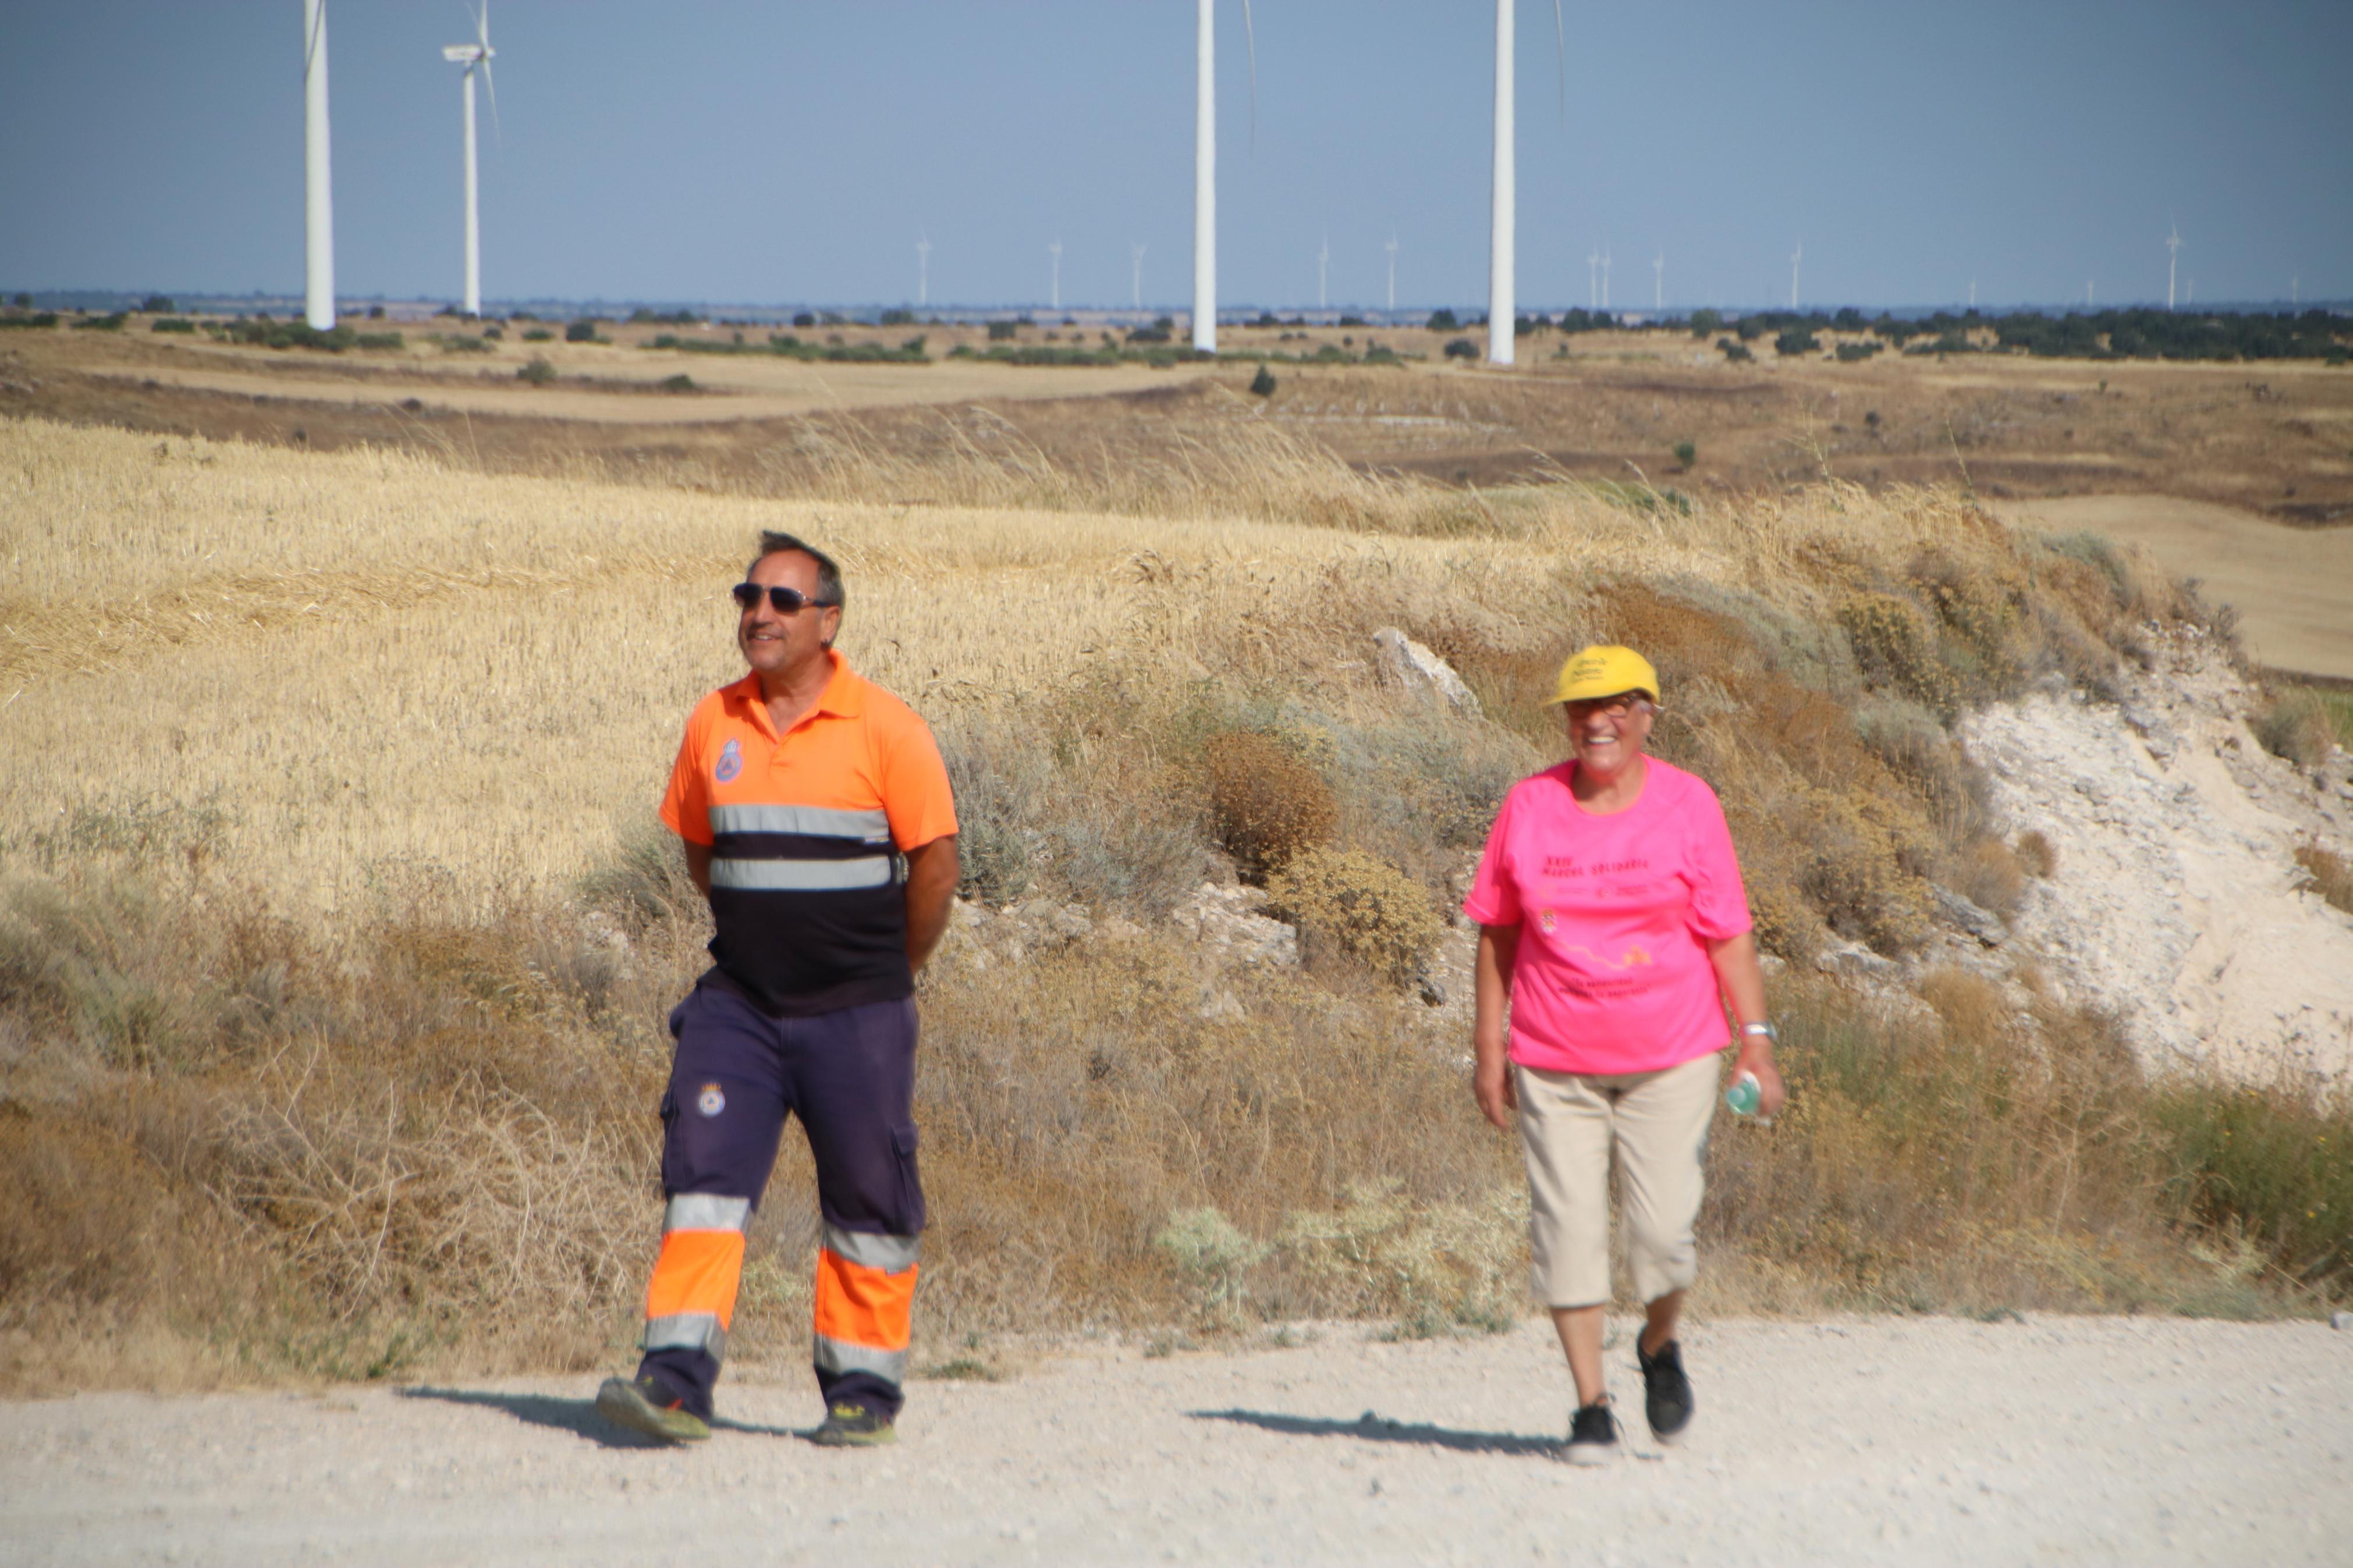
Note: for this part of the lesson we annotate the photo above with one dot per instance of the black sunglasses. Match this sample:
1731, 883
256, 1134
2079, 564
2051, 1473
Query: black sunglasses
787, 600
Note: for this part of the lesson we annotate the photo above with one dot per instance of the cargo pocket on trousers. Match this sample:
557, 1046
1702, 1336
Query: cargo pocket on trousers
911, 1180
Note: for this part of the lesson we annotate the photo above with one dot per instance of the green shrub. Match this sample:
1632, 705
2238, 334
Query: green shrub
538, 335
378, 341
157, 305
998, 332
580, 332
679, 382
1262, 384
1212, 1258
1443, 322
113, 324
173, 324
1894, 647
1735, 352
2271, 1163
1461, 348
1362, 906
897, 318
1796, 339
1848, 354
1686, 454
40, 321
1707, 323
538, 372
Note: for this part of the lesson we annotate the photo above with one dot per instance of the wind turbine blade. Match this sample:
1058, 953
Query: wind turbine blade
1249, 34
311, 44
491, 87
1560, 46
482, 26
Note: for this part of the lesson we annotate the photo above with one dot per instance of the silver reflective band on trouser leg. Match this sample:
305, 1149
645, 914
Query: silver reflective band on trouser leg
705, 1210
890, 1254
685, 1331
840, 1355
803, 876
809, 821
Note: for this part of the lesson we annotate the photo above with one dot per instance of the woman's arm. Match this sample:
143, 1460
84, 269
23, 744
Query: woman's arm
1491, 1078
1737, 969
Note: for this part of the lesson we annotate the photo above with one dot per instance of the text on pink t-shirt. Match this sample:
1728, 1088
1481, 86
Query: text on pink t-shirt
1614, 914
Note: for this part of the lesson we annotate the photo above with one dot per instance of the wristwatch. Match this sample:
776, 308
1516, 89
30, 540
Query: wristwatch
1767, 1030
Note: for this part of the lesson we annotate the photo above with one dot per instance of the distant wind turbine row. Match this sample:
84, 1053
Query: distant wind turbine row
317, 185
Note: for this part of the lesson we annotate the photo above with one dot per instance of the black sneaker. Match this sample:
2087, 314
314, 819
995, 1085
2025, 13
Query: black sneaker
643, 1405
854, 1426
1666, 1392
1593, 1434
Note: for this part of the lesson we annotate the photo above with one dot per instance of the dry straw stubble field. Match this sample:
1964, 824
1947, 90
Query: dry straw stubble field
336, 939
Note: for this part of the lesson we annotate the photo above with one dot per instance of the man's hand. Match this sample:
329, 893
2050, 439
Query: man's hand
932, 871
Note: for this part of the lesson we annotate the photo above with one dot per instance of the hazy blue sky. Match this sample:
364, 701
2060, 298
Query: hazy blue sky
730, 151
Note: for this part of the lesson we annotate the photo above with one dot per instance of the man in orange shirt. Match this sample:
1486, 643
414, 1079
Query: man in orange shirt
817, 820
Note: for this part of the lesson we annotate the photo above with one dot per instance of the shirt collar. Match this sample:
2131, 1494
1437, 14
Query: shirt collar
844, 696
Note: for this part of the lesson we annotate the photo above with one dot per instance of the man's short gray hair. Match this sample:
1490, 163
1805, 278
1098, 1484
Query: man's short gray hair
830, 590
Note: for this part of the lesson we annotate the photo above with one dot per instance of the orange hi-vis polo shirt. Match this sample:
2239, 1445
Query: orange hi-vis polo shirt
806, 829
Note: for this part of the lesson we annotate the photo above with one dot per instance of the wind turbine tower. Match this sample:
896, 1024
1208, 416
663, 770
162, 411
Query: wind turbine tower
318, 189
1391, 249
2172, 262
923, 271
1795, 257
1659, 283
474, 57
1135, 281
1055, 299
1504, 201
1204, 177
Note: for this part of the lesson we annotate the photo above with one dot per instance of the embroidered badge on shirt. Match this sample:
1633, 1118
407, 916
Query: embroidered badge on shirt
731, 762
712, 1101
1545, 918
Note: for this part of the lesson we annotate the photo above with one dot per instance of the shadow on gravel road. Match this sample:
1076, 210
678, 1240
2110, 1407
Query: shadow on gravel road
577, 1416
1373, 1428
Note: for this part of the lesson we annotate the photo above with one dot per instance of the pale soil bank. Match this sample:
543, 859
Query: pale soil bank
1859, 1440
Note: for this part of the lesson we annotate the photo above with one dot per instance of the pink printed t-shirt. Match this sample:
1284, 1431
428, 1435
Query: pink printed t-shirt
1614, 915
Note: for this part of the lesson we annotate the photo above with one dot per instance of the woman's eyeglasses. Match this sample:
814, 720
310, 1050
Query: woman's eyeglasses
786, 601
1617, 707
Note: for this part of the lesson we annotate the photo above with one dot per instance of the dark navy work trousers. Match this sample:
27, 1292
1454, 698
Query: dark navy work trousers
850, 1076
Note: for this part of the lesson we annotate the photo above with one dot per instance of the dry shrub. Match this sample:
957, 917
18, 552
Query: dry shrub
1990, 876
1364, 907
2297, 726
1895, 646
2037, 856
1270, 804
2331, 876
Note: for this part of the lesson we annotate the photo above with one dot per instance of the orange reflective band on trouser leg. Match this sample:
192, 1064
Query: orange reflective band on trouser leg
690, 1301
865, 1302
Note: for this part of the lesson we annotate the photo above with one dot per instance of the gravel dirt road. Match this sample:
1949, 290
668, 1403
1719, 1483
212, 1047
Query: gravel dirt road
1879, 1440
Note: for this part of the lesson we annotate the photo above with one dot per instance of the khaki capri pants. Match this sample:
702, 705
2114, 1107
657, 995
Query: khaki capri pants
1657, 1123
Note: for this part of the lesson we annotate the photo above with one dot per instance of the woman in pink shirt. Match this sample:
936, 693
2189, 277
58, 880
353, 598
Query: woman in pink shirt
1614, 930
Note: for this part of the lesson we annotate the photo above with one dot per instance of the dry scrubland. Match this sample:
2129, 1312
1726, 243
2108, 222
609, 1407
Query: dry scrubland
336, 939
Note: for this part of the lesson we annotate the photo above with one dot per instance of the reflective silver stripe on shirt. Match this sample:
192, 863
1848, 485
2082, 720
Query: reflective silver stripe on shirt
803, 876
840, 1355
685, 1331
891, 1254
817, 821
705, 1210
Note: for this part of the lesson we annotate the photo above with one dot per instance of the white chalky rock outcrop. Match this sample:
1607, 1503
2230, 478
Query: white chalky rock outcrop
2177, 903
1421, 671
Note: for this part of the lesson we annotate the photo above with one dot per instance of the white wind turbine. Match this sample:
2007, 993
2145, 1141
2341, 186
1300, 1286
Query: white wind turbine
1204, 164
1055, 250
318, 188
923, 271
2172, 261
1391, 249
1503, 214
474, 57
1659, 283
1135, 282
1795, 257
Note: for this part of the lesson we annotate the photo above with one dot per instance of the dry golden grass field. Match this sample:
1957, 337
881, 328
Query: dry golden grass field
335, 934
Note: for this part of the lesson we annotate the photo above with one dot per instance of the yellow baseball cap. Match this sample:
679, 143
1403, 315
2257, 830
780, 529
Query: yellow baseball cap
1605, 671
